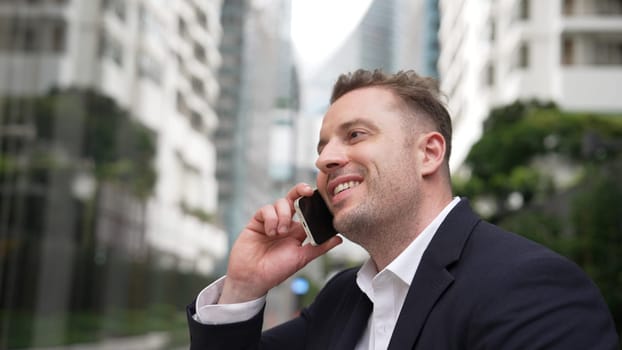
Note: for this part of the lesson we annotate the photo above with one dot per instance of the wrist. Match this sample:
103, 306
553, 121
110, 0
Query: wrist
234, 292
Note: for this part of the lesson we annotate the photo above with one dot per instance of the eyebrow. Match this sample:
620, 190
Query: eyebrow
345, 127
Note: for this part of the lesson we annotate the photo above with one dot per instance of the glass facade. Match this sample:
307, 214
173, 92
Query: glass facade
96, 179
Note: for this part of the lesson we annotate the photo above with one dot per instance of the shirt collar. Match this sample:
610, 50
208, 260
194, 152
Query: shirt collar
405, 265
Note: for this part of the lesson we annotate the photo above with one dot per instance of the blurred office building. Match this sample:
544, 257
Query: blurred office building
390, 35
258, 110
496, 52
257, 107
157, 60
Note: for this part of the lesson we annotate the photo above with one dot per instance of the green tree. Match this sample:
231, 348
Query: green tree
118, 148
553, 176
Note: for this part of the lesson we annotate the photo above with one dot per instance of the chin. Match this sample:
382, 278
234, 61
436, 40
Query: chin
350, 222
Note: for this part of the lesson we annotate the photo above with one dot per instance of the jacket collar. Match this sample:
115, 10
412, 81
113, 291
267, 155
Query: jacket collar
432, 277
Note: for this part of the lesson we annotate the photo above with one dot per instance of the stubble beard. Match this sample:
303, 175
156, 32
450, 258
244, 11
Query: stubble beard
377, 219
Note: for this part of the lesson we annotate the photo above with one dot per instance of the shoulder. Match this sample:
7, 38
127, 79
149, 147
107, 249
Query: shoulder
343, 282
502, 257
539, 287
340, 290
489, 242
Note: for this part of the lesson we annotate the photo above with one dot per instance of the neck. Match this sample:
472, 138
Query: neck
397, 235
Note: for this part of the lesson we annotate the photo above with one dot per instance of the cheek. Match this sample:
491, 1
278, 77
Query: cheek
320, 179
400, 161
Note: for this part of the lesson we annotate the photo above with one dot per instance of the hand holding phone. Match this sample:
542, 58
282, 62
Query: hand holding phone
315, 217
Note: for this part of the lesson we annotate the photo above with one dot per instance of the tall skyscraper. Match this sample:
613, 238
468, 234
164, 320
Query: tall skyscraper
258, 107
231, 142
430, 45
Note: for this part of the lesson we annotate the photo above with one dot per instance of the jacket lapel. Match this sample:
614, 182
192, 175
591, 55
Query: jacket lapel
353, 328
432, 277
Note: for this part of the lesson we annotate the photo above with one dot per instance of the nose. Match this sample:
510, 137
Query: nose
332, 157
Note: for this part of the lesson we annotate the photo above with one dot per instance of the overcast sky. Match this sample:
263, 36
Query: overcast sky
319, 27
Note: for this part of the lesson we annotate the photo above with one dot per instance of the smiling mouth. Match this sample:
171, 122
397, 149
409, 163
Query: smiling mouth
345, 186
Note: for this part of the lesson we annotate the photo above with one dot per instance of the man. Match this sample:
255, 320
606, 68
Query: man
438, 276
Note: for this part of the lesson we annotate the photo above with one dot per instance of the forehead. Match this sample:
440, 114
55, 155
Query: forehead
372, 104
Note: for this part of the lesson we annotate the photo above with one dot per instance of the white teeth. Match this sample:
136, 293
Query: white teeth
344, 186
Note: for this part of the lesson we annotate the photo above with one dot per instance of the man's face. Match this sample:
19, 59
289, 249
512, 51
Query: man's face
368, 161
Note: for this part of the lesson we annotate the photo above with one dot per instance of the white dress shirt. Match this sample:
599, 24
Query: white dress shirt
386, 289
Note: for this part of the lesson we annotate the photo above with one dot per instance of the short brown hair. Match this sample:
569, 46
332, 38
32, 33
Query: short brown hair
421, 94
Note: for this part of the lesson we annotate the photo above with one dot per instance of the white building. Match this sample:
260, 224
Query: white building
158, 60
496, 52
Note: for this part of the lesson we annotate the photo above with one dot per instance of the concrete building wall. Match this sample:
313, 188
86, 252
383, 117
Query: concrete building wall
494, 53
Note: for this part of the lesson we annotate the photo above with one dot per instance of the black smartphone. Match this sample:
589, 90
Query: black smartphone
315, 218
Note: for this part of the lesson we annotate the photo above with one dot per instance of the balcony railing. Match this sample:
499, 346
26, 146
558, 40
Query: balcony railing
578, 8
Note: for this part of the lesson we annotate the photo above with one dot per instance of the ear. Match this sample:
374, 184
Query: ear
433, 146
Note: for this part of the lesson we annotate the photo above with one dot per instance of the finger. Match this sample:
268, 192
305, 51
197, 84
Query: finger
301, 189
268, 216
284, 214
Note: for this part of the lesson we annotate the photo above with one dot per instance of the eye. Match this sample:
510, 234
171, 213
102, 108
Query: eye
356, 134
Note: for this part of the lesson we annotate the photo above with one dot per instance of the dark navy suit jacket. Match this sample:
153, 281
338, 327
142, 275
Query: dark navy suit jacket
477, 287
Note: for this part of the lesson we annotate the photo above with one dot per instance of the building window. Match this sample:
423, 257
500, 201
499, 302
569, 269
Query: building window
567, 52
30, 43
199, 53
568, 7
6, 36
112, 49
149, 68
36, 34
182, 28
201, 18
149, 24
523, 56
523, 10
197, 85
17, 35
115, 6
182, 105
608, 53
609, 7
490, 75
492, 35
196, 120
189, 181
58, 37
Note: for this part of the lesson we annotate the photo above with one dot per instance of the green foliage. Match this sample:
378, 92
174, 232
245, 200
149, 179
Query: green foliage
597, 219
524, 150
145, 297
93, 327
76, 128
502, 161
540, 226
199, 213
